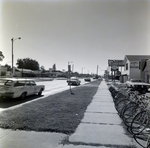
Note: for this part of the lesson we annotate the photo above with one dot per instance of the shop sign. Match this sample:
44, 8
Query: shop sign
115, 62
134, 64
114, 68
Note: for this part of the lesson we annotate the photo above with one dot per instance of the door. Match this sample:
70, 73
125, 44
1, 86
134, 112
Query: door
30, 88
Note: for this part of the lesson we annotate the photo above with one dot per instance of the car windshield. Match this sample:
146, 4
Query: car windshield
73, 78
5, 82
136, 80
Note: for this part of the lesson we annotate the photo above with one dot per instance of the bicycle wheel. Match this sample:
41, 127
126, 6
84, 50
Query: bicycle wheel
129, 113
121, 105
117, 97
139, 122
143, 140
124, 108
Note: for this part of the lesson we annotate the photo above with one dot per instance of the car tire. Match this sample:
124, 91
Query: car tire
23, 95
40, 92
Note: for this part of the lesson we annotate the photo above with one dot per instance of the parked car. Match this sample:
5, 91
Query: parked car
87, 79
73, 81
138, 85
14, 88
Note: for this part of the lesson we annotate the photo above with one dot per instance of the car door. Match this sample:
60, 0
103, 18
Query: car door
29, 88
33, 87
19, 88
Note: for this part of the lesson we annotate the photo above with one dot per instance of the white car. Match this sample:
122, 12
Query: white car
138, 85
14, 88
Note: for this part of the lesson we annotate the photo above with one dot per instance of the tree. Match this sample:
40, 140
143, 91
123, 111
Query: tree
1, 56
54, 67
28, 63
8, 67
3, 73
43, 69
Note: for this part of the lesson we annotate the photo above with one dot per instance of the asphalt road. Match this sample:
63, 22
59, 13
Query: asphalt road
55, 86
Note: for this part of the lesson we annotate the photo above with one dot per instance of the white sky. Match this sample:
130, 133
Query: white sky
84, 32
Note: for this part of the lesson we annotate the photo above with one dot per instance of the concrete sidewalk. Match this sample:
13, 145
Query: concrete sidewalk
26, 139
101, 127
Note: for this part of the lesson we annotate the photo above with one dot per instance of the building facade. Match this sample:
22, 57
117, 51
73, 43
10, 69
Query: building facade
3, 71
146, 70
134, 67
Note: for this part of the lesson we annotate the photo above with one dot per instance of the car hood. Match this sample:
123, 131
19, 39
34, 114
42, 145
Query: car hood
137, 83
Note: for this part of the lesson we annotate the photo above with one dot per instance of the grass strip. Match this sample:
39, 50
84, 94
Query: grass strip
61, 112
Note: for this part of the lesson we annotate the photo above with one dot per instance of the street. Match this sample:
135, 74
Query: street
55, 86
51, 87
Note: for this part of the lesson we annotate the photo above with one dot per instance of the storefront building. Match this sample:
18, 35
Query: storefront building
3, 71
147, 71
134, 67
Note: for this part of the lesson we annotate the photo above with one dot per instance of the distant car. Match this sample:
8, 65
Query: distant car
14, 88
96, 77
87, 79
73, 81
138, 85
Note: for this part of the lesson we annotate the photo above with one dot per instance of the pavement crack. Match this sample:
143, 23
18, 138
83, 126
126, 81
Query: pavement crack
5, 135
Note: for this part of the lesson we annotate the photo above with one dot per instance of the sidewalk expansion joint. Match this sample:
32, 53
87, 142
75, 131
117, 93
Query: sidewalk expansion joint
100, 123
101, 112
102, 101
97, 144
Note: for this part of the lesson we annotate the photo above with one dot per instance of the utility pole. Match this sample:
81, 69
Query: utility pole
72, 67
13, 54
97, 72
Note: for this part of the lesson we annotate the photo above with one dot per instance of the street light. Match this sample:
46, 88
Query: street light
82, 70
13, 53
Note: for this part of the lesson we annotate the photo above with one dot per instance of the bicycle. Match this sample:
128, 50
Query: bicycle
134, 107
